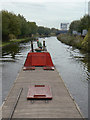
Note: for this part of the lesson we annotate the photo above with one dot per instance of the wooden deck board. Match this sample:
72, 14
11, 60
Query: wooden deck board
61, 106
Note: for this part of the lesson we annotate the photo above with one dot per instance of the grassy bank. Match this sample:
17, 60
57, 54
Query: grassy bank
3, 44
75, 41
14, 41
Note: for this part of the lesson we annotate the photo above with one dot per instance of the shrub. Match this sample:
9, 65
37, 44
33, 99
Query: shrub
12, 36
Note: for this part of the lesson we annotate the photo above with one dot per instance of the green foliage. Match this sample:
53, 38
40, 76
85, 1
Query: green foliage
32, 29
23, 25
16, 26
54, 31
76, 41
10, 25
12, 36
5, 24
75, 26
44, 31
79, 25
86, 41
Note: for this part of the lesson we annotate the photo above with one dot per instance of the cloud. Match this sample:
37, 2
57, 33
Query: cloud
49, 14
42, 1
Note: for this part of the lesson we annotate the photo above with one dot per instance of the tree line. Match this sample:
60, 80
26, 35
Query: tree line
16, 26
80, 25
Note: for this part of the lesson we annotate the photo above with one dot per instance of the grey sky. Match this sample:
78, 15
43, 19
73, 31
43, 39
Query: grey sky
48, 14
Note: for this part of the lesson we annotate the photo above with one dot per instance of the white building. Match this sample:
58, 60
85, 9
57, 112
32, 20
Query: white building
75, 32
84, 32
64, 26
89, 8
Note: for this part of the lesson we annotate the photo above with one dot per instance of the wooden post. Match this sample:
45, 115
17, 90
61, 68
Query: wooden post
43, 43
44, 46
32, 46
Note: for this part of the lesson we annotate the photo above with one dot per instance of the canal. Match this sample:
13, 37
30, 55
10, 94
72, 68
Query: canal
71, 63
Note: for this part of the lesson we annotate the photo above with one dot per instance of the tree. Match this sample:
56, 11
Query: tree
10, 25
41, 30
14, 25
5, 25
80, 25
75, 25
44, 30
32, 28
23, 25
85, 23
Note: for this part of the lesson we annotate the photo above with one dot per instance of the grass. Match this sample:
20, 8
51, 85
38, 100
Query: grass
3, 44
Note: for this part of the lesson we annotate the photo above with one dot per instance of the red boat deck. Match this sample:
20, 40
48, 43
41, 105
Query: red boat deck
39, 92
38, 59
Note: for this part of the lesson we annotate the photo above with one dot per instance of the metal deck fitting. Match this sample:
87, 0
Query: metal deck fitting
39, 92
48, 68
28, 68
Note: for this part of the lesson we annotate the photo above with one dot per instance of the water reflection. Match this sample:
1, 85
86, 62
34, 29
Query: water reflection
12, 49
85, 59
81, 57
13, 57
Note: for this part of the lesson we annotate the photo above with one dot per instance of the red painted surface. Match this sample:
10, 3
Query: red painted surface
38, 59
39, 92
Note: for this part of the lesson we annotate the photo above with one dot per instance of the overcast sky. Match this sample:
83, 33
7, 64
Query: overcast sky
48, 13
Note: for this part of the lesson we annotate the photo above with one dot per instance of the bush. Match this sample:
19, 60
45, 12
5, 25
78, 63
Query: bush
86, 42
12, 36
76, 41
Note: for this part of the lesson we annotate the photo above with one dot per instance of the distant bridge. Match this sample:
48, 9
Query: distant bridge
61, 32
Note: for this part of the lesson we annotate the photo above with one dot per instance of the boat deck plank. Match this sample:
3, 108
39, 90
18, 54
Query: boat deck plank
61, 106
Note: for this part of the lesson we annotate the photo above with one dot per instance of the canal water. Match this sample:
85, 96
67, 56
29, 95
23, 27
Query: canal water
71, 64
